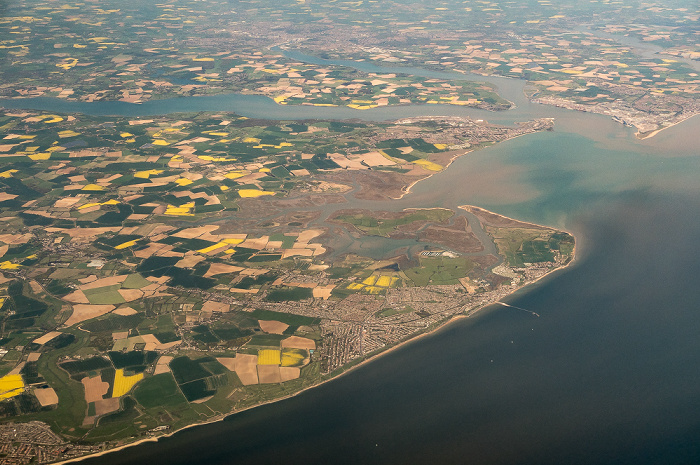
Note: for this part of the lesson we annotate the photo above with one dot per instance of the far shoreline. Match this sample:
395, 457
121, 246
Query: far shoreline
649, 135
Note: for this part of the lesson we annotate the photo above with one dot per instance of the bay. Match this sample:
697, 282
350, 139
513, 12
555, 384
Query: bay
606, 375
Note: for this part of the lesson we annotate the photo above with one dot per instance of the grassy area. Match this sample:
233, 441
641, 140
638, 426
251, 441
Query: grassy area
383, 227
394, 311
290, 294
288, 318
439, 270
521, 246
266, 340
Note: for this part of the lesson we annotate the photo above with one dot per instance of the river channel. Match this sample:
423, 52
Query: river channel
608, 374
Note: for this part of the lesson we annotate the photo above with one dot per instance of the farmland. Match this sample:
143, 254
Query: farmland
161, 271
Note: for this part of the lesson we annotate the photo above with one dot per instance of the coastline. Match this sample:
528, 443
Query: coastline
656, 131
370, 358
408, 188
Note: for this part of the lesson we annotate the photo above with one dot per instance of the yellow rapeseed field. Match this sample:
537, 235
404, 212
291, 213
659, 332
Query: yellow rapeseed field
92, 187
269, 357
291, 358
213, 247
125, 245
10, 386
386, 281
183, 210
123, 384
7, 265
246, 193
236, 174
370, 280
147, 174
7, 174
373, 289
428, 165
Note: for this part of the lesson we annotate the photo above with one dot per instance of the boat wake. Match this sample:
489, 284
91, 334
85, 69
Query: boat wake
519, 308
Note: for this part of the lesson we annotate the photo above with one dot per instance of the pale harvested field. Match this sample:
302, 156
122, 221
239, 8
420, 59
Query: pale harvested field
375, 159
125, 311
95, 388
4, 249
344, 162
33, 357
14, 239
82, 312
16, 370
104, 406
257, 243
220, 237
87, 279
244, 291
151, 341
163, 365
228, 362
130, 294
214, 306
81, 233
289, 373
254, 271
46, 337
273, 327
156, 249
323, 292
192, 233
189, 261
77, 297
286, 253
247, 368
269, 374
120, 335
222, 268
104, 282
296, 342
36, 287
46, 396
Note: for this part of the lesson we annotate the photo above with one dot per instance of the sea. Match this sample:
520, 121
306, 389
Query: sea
607, 373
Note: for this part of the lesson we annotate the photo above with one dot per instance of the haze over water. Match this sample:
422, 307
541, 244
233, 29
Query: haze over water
608, 374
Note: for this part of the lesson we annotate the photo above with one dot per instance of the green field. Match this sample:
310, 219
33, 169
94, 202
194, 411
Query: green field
521, 246
290, 294
159, 390
288, 318
383, 227
439, 270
